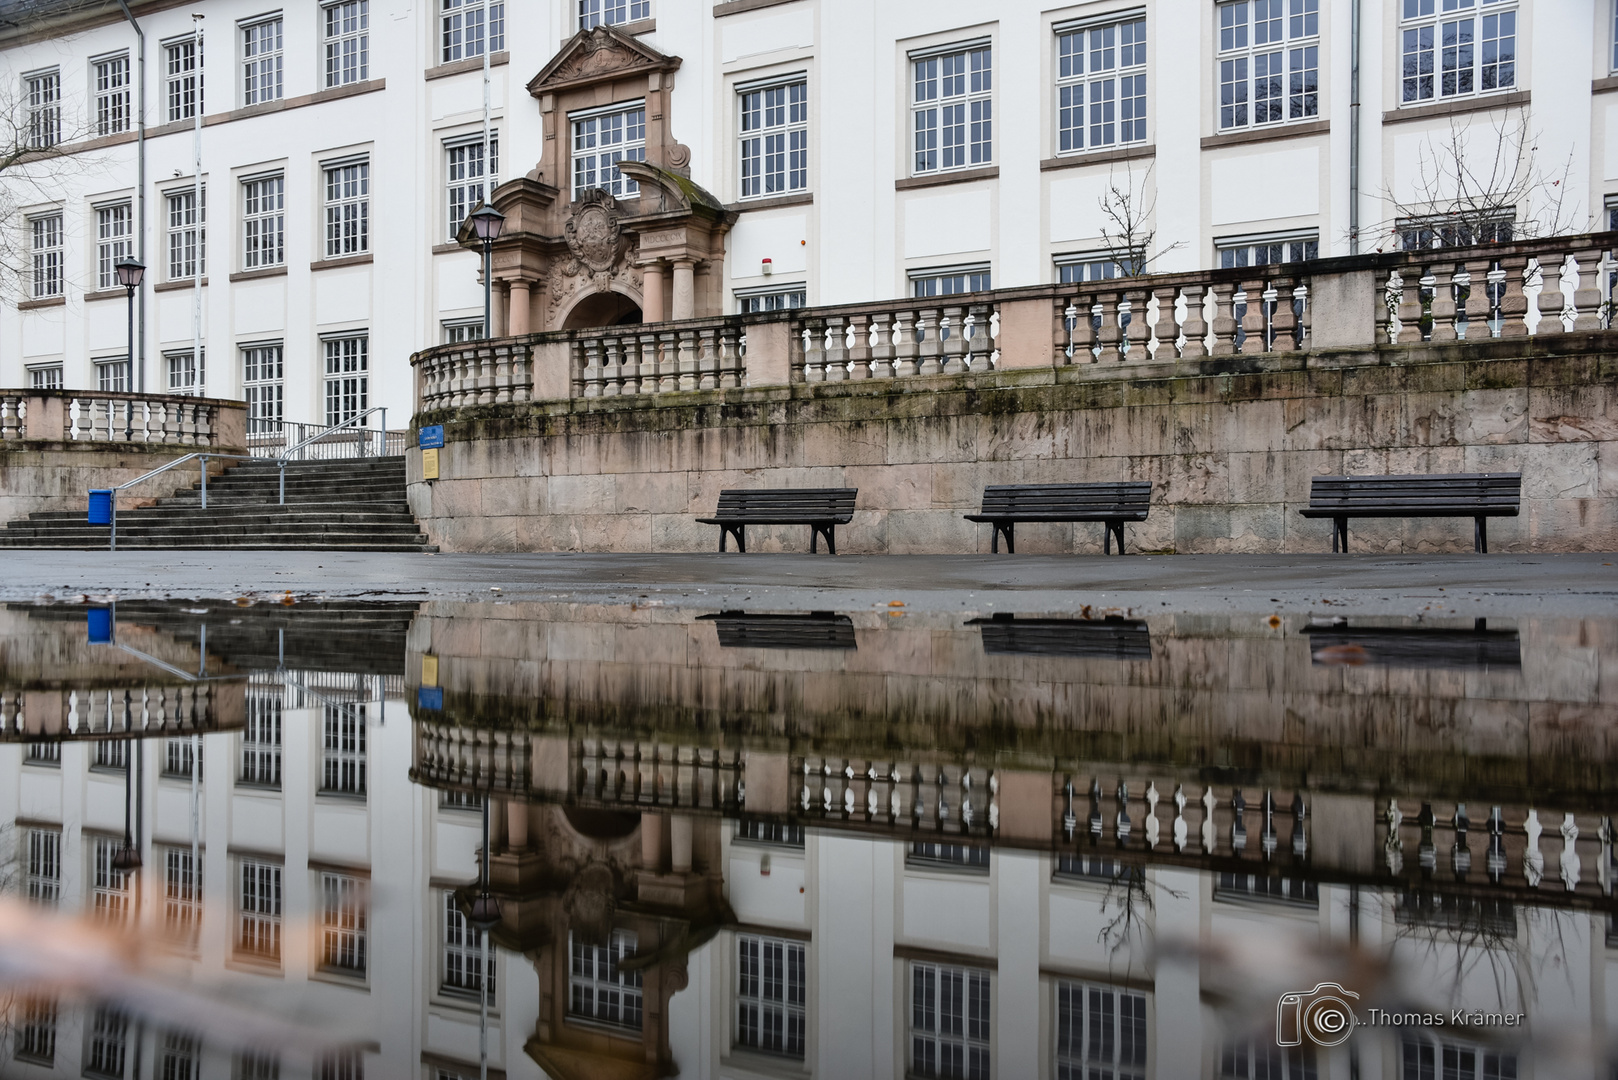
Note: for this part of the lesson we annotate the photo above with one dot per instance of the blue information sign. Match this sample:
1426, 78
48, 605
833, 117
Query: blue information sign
432, 437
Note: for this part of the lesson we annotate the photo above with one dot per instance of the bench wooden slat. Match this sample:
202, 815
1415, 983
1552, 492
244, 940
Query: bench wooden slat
1109, 502
1475, 495
822, 509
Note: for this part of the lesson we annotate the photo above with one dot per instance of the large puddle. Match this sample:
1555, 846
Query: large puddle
247, 842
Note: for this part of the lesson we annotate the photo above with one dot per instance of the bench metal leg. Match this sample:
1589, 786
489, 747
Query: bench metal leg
1480, 535
1008, 529
829, 532
738, 531
1109, 530
1339, 536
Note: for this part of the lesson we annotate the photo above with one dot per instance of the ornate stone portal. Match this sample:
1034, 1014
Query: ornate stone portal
574, 259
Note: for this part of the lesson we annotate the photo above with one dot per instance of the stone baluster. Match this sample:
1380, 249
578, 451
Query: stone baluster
928, 346
612, 367
906, 348
730, 357
1132, 328
629, 365
1254, 320
590, 375
1514, 303
1104, 327
993, 342
668, 364
1224, 321
1587, 298
707, 359
1193, 327
1166, 330
814, 356
1302, 308
882, 350
1283, 316
1067, 330
1469, 286
686, 358
857, 344
1441, 306
953, 346
1545, 307
836, 350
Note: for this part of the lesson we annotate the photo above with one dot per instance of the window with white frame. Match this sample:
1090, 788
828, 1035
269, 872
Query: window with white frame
261, 61
459, 800
115, 233
35, 1033
258, 911
460, 331
949, 1021
45, 866
612, 12
1100, 1032
348, 385
262, 386
46, 377
1421, 1054
109, 888
1450, 230
464, 26
598, 989
106, 1043
112, 95
177, 1057
764, 831
1101, 85
1251, 1059
774, 298
185, 378
952, 108
348, 208
1269, 62
342, 1065
774, 139
179, 758
1094, 266
110, 753
43, 753
342, 728
44, 90
1267, 887
463, 952
182, 896
601, 139
46, 235
112, 375
949, 281
343, 918
187, 233
929, 854
1266, 250
347, 38
1611, 209
182, 82
1453, 48
470, 179
263, 222
770, 994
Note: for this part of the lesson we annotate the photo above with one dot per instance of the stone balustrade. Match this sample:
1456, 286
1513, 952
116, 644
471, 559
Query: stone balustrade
1523, 289
82, 416
112, 713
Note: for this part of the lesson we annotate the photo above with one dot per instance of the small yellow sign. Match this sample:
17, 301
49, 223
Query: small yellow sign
429, 670
429, 464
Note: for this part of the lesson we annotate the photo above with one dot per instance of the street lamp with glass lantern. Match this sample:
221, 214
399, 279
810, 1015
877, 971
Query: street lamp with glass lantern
486, 225
130, 272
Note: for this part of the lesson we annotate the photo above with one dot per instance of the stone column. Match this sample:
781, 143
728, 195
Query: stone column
680, 843
685, 289
519, 308
516, 826
652, 309
497, 311
651, 841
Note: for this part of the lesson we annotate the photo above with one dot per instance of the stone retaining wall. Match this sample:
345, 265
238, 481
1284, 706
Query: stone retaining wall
38, 474
1229, 444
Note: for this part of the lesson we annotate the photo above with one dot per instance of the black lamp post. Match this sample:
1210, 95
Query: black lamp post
127, 858
485, 910
130, 272
487, 223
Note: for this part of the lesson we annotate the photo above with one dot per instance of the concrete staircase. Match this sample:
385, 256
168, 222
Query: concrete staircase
348, 505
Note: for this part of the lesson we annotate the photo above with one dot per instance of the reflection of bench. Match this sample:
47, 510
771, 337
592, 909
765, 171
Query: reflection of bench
1410, 647
815, 630
1479, 496
822, 509
1112, 638
1112, 504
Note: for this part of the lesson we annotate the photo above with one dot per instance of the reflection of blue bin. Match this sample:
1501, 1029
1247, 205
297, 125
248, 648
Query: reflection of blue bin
99, 621
101, 506
430, 698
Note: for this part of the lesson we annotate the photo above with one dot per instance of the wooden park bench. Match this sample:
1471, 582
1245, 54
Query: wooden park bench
1479, 496
1112, 504
822, 509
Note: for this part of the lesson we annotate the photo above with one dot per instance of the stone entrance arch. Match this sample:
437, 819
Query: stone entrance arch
602, 309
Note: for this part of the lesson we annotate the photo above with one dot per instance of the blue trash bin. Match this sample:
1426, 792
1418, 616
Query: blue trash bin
98, 620
101, 506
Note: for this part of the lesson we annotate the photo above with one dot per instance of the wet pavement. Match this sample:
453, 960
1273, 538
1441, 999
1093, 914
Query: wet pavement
1011, 818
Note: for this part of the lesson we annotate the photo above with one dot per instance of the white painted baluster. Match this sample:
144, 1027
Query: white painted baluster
1533, 867
994, 340
1570, 851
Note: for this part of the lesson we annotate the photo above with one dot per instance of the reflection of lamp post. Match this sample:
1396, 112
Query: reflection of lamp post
487, 223
130, 271
127, 859
485, 912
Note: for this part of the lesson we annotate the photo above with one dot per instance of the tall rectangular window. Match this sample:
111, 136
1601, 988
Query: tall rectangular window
465, 25
1453, 48
182, 896
44, 89
1101, 86
46, 235
775, 140
112, 95
36, 1032
348, 208
115, 231
258, 911
179, 757
600, 142
770, 995
469, 178
185, 379
1094, 266
949, 1021
1100, 1032
113, 376
109, 888
463, 952
111, 753
261, 61
348, 42
1417, 234
930, 854
343, 748
949, 282
460, 331
45, 866
182, 81
177, 1059
187, 234
598, 989
44, 753
612, 12
262, 386
263, 222
1268, 61
952, 110
105, 1046
343, 918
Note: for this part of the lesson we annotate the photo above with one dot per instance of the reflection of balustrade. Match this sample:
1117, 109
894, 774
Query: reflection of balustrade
450, 756
633, 773
941, 798
29, 715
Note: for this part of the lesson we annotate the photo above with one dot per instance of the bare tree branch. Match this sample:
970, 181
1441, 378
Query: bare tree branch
1129, 229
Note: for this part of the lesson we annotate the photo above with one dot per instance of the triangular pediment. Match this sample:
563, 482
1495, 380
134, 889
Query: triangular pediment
600, 54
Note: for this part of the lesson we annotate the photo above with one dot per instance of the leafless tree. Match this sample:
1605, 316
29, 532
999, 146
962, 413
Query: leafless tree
1129, 221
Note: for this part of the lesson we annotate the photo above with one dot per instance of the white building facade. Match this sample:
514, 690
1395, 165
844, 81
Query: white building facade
861, 151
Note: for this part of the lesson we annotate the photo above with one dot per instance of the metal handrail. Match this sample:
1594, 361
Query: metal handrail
112, 542
353, 421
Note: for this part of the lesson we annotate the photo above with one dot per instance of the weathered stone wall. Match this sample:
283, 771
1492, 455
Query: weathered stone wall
38, 475
1229, 444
